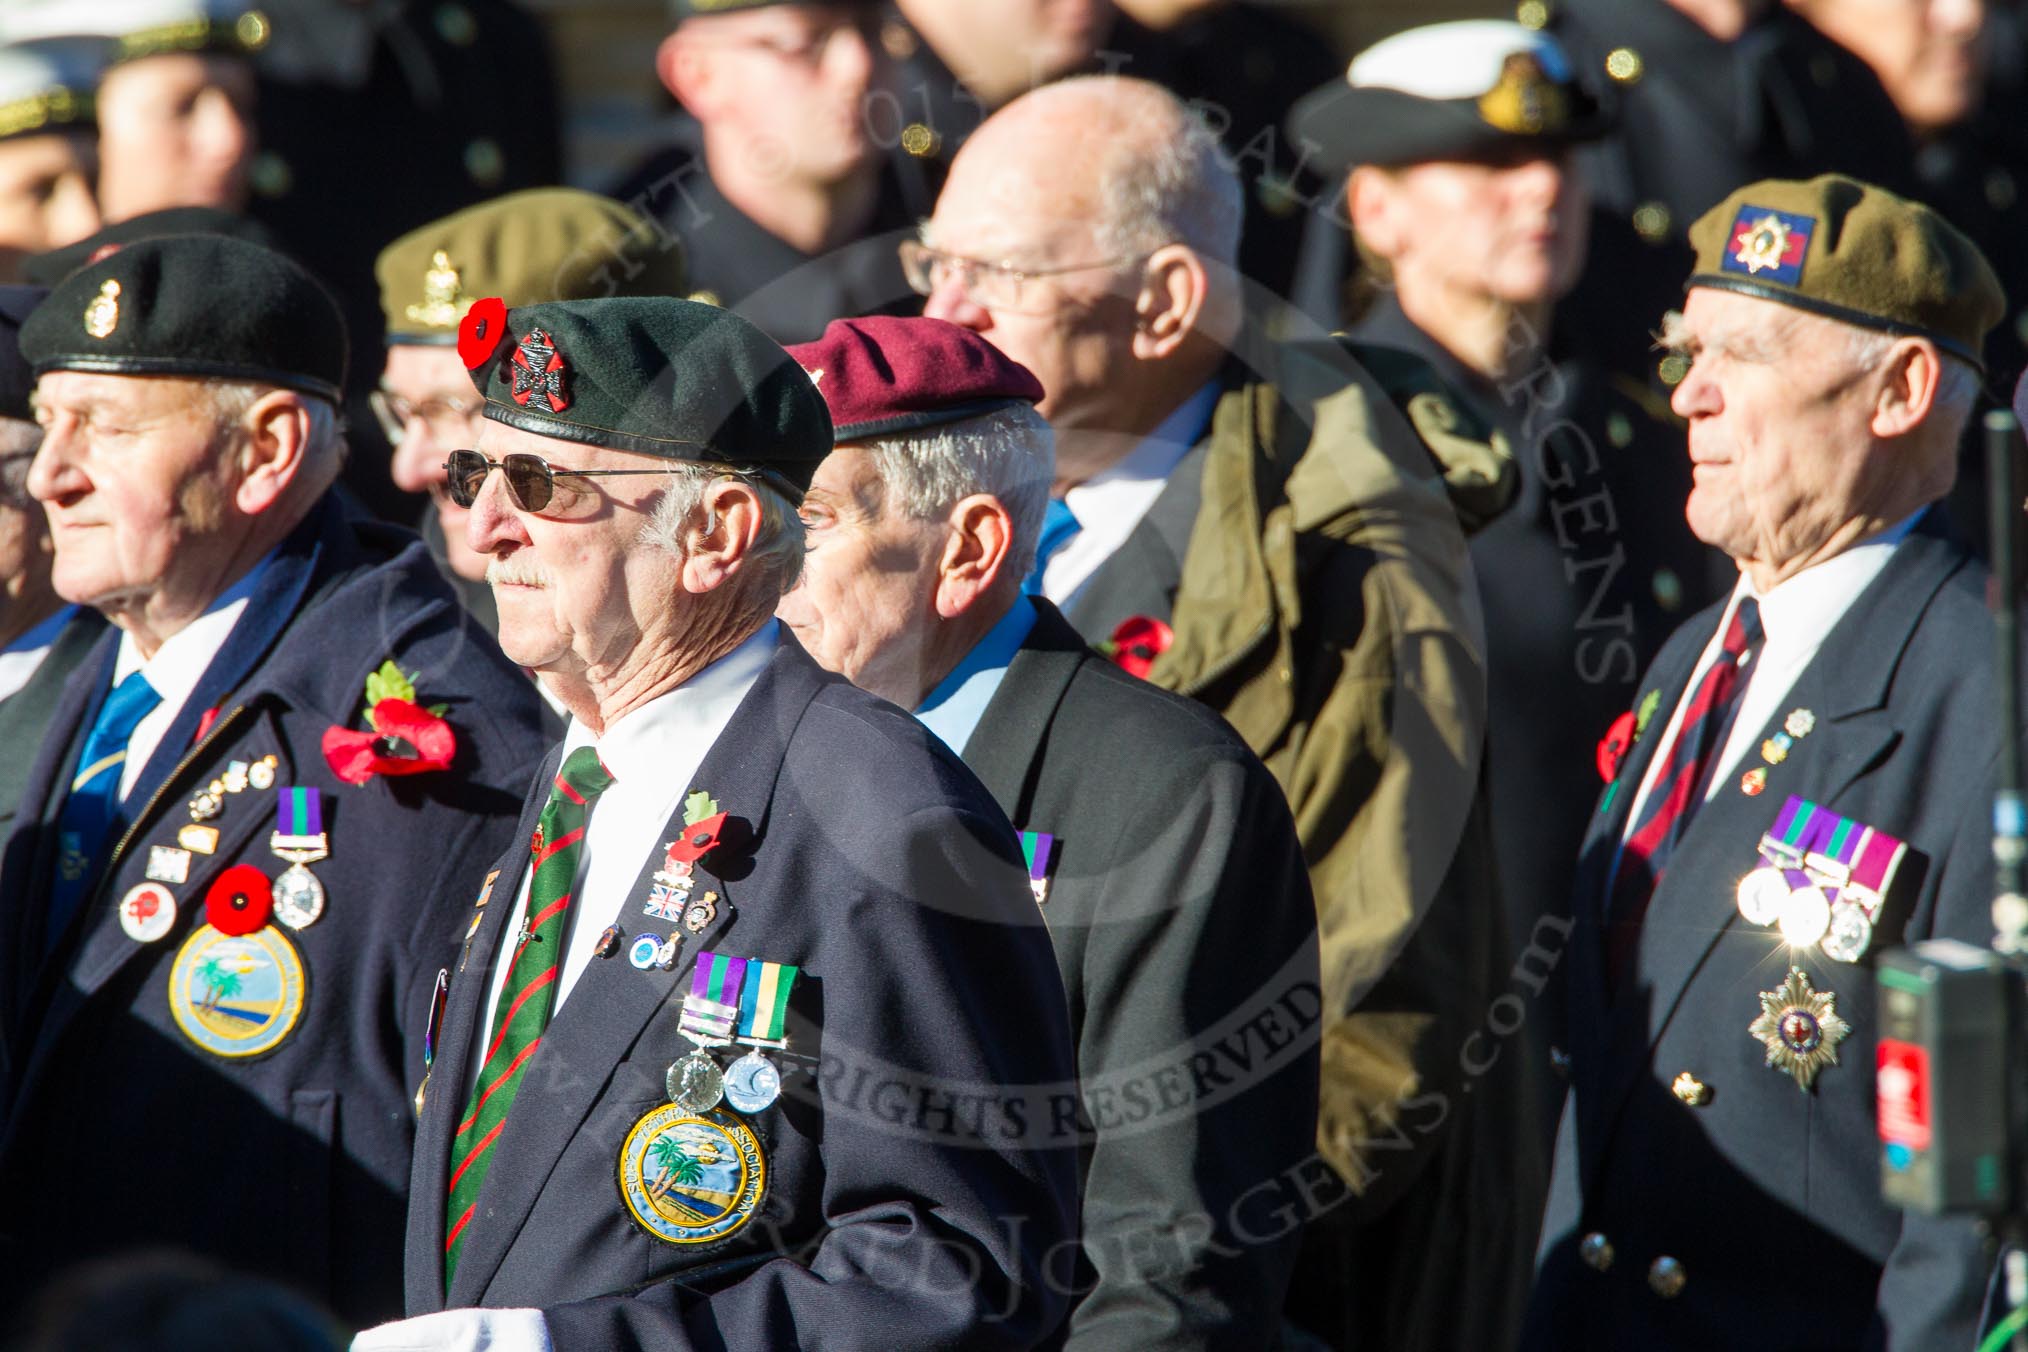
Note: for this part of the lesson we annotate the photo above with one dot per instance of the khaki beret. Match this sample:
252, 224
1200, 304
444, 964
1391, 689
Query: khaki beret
540, 245
1850, 251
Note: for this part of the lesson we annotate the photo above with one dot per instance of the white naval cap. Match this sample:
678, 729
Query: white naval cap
1447, 91
47, 86
139, 27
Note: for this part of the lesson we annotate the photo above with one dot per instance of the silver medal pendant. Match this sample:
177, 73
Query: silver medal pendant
695, 1083
752, 1083
299, 897
1762, 893
1850, 933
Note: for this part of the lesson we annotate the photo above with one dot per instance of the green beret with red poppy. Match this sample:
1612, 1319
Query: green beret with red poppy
649, 374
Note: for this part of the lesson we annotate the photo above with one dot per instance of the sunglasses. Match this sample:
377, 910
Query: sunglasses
530, 479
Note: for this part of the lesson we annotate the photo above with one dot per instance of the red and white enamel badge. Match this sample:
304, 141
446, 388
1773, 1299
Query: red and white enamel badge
539, 370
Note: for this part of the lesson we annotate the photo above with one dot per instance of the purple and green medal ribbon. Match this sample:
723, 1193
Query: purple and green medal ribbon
299, 811
712, 1011
764, 1003
1870, 858
1038, 848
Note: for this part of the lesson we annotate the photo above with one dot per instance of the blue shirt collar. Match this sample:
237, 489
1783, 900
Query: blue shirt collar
952, 711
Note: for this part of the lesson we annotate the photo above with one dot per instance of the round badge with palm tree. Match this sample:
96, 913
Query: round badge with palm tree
692, 1179
236, 995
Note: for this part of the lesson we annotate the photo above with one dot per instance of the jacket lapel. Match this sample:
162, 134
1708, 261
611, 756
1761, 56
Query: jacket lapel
612, 1003
1143, 574
1004, 749
451, 1073
1846, 685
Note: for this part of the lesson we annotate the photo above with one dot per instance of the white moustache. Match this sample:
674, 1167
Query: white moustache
507, 572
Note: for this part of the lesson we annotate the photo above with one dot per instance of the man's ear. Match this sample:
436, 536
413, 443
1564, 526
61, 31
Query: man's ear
275, 436
1170, 306
975, 553
1369, 206
721, 534
684, 72
1909, 380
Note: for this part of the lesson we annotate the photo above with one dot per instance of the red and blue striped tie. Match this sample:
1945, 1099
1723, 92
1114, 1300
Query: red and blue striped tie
1682, 777
530, 993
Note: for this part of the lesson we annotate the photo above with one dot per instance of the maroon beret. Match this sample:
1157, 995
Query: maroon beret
885, 374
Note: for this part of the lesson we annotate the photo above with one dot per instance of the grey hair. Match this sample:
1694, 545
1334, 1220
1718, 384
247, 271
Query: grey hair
1957, 388
230, 400
1009, 453
777, 558
1176, 186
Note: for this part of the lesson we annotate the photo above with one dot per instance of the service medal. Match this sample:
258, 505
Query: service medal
237, 995
147, 912
691, 1178
1850, 933
752, 1083
1762, 893
695, 1084
1805, 916
1800, 1028
299, 838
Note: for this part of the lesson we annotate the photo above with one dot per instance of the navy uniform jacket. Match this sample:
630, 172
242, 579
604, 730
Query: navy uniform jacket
1767, 1197
117, 1131
25, 714
914, 1188
1179, 908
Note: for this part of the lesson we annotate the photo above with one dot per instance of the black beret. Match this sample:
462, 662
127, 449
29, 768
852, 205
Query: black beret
16, 380
650, 374
694, 9
50, 267
193, 305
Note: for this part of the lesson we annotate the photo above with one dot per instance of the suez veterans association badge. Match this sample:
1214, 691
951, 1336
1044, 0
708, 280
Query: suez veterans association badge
690, 1171
1822, 881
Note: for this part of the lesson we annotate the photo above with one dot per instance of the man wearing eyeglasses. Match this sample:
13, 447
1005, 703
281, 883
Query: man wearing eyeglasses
1277, 529
542, 244
240, 866
787, 182
759, 1035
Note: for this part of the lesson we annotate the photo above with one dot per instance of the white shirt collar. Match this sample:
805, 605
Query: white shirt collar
1112, 502
181, 661
1801, 611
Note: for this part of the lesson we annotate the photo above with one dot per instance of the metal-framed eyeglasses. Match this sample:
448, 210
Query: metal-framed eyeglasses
995, 286
531, 480
447, 419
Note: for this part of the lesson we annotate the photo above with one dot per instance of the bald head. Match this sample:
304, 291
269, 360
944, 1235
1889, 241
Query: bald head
1088, 230
1119, 164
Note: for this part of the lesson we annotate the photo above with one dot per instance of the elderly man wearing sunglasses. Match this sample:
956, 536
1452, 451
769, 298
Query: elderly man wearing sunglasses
758, 1030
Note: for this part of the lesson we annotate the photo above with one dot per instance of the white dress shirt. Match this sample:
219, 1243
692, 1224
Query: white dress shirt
1795, 617
652, 753
1112, 502
176, 668
20, 659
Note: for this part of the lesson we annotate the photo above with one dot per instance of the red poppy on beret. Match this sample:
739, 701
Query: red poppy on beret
481, 330
885, 374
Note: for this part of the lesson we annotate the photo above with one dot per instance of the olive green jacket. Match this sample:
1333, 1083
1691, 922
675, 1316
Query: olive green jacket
1326, 608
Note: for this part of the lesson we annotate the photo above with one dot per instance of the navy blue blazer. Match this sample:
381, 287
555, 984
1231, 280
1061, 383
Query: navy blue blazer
116, 1129
1767, 1198
916, 1183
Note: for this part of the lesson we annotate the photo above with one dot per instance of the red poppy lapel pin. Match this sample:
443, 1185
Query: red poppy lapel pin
1136, 642
404, 738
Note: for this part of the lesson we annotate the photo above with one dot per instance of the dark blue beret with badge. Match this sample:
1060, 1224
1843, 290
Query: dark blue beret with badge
653, 375
193, 305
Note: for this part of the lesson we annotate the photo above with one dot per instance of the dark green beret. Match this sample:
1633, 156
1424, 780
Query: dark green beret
1448, 91
193, 305
1850, 251
674, 378
52, 266
543, 244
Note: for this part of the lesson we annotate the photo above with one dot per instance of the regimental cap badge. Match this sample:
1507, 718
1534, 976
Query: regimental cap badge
102, 316
1525, 101
444, 301
1800, 1028
1774, 243
539, 370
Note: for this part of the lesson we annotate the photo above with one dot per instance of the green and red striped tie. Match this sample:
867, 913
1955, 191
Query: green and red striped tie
530, 992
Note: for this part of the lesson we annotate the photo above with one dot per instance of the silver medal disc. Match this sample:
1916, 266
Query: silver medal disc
1851, 931
1805, 916
752, 1083
1761, 894
299, 897
695, 1084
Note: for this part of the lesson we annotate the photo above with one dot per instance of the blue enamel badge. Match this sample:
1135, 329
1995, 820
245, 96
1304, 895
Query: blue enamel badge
1768, 245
